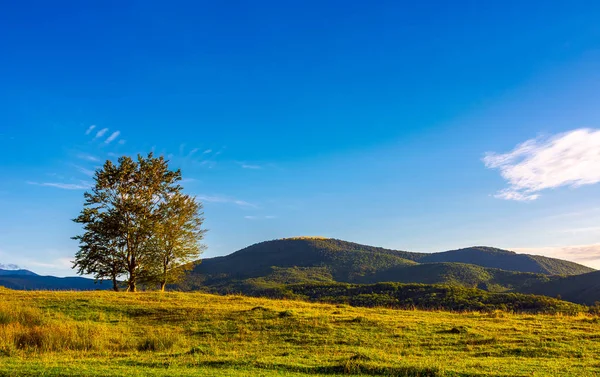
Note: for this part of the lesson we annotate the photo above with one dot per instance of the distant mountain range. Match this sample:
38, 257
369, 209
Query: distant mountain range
310, 260
27, 280
16, 273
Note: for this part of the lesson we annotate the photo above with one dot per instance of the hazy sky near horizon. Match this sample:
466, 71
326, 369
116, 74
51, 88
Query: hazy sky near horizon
421, 126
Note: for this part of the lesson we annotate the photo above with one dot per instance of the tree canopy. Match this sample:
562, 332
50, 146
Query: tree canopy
138, 223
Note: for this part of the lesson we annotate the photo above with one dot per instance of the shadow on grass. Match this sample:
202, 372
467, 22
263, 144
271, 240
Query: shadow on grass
352, 366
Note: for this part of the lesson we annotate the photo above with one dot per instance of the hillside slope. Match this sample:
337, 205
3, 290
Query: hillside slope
582, 289
467, 275
507, 260
271, 264
345, 261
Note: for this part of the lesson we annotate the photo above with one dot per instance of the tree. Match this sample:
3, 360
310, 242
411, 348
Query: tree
176, 236
99, 252
124, 215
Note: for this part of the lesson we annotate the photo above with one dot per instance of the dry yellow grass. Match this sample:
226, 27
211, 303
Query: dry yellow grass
181, 334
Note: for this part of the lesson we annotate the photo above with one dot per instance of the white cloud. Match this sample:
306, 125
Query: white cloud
90, 129
225, 199
122, 142
588, 255
248, 166
9, 266
590, 229
101, 133
207, 151
88, 172
510, 194
112, 137
569, 159
64, 186
87, 157
269, 217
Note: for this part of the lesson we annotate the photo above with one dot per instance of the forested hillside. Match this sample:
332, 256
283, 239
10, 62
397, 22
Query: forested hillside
275, 263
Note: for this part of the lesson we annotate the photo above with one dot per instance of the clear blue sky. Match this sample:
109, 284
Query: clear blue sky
367, 121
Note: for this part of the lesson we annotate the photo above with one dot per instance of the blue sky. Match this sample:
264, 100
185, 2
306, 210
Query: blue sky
420, 126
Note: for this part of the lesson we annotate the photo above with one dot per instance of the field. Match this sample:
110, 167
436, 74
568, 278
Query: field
191, 334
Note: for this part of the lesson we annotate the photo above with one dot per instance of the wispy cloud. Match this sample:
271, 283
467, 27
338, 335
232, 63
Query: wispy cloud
90, 129
585, 254
253, 166
112, 137
568, 159
226, 199
87, 157
207, 151
188, 180
260, 217
9, 266
88, 172
63, 186
589, 229
122, 142
250, 166
58, 263
101, 133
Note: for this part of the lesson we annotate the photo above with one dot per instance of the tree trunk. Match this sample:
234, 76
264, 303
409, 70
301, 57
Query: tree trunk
115, 284
162, 286
131, 287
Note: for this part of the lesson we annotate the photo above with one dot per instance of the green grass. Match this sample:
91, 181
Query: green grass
191, 334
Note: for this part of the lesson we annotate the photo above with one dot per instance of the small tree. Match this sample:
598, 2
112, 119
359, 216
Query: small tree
176, 238
100, 253
122, 218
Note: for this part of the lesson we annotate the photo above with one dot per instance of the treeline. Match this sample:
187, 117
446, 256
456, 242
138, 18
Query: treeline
412, 296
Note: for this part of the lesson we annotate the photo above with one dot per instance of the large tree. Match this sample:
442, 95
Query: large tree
124, 215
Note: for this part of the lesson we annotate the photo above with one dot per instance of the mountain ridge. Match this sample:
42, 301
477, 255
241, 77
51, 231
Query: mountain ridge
274, 264
299, 260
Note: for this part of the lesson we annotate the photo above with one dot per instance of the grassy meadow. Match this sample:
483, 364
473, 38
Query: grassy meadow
191, 334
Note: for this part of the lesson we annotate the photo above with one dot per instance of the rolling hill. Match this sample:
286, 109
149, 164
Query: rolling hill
507, 260
582, 289
270, 264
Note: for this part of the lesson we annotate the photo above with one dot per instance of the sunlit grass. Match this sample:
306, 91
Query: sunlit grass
185, 334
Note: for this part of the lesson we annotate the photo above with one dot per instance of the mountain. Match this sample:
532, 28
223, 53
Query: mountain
273, 265
17, 272
507, 260
31, 281
308, 260
582, 289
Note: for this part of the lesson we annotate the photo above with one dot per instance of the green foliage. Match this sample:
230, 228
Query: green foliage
137, 222
175, 241
419, 296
